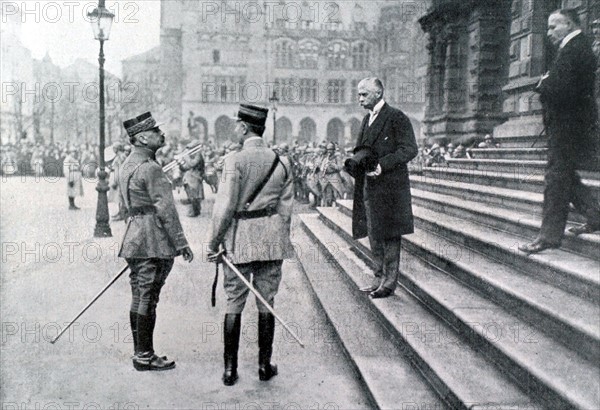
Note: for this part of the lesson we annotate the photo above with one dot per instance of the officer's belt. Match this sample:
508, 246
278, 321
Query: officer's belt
259, 213
142, 210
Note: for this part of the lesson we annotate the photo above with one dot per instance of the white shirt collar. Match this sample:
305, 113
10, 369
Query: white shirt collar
568, 38
377, 107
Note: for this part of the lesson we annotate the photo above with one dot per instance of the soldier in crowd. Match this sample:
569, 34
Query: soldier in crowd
252, 211
192, 167
434, 157
72, 172
331, 178
113, 180
153, 236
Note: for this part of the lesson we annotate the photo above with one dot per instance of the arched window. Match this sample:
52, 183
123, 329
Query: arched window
335, 131
308, 130
284, 129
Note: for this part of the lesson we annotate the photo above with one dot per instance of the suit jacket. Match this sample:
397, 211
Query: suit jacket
391, 136
260, 239
154, 235
567, 96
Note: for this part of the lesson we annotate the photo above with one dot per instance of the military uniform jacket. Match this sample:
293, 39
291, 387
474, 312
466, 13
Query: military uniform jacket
260, 239
193, 167
158, 234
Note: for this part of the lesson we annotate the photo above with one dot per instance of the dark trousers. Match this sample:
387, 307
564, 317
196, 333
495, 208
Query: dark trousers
563, 186
147, 278
386, 254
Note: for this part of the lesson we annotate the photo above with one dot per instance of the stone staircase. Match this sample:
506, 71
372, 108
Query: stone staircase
475, 323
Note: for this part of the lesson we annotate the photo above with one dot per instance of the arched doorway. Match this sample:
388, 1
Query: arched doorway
335, 131
224, 130
284, 130
198, 128
308, 130
354, 130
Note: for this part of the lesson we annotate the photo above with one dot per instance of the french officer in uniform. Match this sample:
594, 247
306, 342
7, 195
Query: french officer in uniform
251, 220
153, 236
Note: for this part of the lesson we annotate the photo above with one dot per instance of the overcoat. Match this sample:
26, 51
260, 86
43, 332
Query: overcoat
72, 171
392, 138
260, 239
157, 233
567, 96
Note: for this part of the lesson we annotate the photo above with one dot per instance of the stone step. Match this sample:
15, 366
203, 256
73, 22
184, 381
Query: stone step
517, 222
541, 365
519, 141
535, 154
520, 168
570, 272
458, 373
571, 318
510, 180
529, 202
378, 359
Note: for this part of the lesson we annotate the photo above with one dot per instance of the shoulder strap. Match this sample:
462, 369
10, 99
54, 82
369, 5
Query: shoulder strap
263, 182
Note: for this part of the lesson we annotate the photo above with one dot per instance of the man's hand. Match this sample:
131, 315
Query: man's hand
215, 256
375, 173
187, 254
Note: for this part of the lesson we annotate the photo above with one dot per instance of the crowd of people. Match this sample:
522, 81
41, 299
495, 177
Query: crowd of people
37, 159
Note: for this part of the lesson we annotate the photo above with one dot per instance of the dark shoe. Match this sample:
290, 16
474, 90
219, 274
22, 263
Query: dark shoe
537, 246
231, 329
74, 208
586, 228
369, 289
381, 293
149, 361
266, 373
266, 333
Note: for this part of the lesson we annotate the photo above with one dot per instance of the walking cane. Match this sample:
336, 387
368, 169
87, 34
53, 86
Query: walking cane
259, 297
108, 285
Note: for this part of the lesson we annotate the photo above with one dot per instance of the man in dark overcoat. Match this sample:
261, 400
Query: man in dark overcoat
153, 236
382, 201
570, 116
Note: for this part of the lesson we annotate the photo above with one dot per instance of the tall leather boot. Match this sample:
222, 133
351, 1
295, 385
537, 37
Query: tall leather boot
134, 332
266, 332
193, 210
199, 206
231, 327
146, 359
72, 205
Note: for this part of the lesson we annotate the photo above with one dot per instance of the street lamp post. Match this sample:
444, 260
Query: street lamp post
101, 19
274, 101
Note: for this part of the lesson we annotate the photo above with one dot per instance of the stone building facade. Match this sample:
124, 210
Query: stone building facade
301, 59
485, 59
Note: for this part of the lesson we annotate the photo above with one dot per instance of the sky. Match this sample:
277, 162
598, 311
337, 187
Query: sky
62, 29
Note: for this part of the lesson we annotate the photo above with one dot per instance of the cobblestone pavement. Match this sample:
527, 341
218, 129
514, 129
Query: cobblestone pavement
52, 266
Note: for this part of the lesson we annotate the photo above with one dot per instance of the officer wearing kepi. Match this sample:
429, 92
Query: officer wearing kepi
153, 236
251, 218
